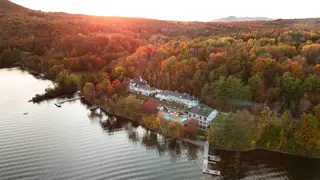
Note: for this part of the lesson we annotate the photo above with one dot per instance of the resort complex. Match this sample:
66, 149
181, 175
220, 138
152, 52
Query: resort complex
192, 109
140, 86
183, 98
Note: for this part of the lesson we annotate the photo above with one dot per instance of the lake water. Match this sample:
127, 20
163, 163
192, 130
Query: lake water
71, 143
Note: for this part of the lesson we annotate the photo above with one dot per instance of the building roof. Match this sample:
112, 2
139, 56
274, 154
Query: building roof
178, 95
147, 88
141, 84
202, 110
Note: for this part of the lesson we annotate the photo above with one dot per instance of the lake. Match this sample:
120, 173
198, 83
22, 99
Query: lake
71, 142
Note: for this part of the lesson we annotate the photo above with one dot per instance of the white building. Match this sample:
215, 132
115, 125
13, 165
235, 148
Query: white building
203, 114
140, 86
183, 98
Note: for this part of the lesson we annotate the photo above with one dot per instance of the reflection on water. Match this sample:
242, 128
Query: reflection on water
137, 134
73, 142
234, 165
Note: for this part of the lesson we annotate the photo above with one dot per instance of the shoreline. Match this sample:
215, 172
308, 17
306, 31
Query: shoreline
200, 143
153, 130
265, 149
29, 70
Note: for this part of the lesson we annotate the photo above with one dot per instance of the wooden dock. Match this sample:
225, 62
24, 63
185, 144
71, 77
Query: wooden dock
209, 159
59, 103
68, 100
94, 108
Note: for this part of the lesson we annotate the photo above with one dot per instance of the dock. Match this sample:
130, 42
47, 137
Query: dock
209, 159
68, 100
94, 108
59, 103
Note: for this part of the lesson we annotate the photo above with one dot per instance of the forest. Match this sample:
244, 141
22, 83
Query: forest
264, 74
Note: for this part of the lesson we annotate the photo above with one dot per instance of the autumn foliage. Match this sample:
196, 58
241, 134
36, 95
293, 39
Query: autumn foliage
149, 107
192, 127
307, 133
228, 66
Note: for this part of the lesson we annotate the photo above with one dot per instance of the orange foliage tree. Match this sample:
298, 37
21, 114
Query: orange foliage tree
307, 134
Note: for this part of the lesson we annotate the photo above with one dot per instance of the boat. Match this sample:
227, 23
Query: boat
57, 104
25, 113
211, 172
214, 158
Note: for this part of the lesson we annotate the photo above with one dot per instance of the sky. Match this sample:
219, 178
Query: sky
182, 10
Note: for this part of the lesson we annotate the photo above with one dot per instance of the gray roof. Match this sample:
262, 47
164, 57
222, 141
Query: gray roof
177, 94
148, 88
140, 83
202, 110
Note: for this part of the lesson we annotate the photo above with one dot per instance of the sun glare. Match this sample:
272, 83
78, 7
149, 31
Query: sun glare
187, 10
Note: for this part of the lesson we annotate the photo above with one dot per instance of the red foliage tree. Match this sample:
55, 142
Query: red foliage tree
100, 63
110, 90
192, 127
116, 83
149, 107
117, 86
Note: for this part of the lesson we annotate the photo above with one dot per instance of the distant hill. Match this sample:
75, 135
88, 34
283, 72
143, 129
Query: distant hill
238, 19
10, 7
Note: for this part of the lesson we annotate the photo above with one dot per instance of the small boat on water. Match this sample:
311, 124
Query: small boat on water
214, 158
57, 104
25, 113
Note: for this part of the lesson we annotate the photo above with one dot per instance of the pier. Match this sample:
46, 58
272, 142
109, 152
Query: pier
59, 103
209, 159
94, 108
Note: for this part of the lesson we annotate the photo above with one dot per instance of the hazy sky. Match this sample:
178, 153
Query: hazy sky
185, 10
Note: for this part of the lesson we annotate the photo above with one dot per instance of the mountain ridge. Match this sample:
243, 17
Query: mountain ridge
241, 19
8, 7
